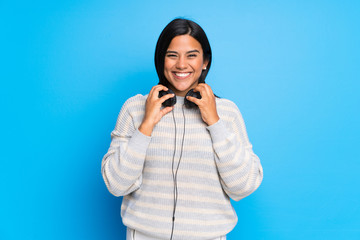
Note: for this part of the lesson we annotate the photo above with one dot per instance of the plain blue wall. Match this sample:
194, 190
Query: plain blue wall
67, 67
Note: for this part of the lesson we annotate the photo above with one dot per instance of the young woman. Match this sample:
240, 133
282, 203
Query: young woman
178, 165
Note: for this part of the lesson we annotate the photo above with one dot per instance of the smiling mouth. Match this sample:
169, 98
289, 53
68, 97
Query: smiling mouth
181, 75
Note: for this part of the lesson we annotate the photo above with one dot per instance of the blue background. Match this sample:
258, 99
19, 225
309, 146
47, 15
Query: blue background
67, 67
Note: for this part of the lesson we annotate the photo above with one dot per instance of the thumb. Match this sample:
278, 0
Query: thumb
166, 110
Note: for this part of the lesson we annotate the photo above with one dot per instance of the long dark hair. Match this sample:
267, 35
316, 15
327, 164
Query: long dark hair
176, 27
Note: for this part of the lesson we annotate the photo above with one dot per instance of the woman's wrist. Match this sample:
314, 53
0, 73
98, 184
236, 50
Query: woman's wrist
146, 128
213, 120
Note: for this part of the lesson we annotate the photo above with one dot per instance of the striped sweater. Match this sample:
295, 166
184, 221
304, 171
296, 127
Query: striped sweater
217, 163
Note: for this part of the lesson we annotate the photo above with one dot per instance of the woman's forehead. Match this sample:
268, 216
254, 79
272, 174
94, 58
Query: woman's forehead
184, 43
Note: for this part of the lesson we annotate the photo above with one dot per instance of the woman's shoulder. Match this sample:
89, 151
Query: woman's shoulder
135, 101
225, 103
136, 98
227, 107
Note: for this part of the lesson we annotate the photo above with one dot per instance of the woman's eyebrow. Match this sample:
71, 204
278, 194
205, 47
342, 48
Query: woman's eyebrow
191, 51
171, 52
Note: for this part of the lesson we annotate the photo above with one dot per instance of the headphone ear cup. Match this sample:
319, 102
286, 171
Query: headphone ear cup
171, 101
191, 93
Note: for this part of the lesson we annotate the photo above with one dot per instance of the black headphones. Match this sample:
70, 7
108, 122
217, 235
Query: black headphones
172, 101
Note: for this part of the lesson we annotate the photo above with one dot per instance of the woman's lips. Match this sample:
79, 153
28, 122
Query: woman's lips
181, 75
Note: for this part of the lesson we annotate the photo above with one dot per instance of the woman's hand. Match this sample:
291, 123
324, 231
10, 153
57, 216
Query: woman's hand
153, 111
206, 104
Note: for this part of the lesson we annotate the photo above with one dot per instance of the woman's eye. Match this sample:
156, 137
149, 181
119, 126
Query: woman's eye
192, 55
171, 55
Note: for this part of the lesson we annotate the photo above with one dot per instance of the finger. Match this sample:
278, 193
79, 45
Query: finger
160, 87
166, 110
156, 89
151, 91
198, 88
201, 89
166, 97
205, 90
194, 100
208, 89
153, 88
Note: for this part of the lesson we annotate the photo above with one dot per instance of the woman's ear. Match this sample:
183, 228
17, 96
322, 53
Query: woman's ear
205, 64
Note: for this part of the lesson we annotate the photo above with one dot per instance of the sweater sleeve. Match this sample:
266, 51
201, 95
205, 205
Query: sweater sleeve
122, 165
239, 168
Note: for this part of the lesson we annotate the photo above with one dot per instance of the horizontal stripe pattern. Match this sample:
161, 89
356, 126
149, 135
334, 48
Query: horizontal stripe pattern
216, 163
181, 210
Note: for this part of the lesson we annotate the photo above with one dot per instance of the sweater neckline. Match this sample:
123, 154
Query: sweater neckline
180, 99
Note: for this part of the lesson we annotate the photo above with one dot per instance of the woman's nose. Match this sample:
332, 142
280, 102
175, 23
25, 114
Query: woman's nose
181, 63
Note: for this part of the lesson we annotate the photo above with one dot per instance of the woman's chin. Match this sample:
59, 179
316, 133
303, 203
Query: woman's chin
183, 88
181, 91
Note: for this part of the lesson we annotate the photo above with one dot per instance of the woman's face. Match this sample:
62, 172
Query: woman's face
183, 64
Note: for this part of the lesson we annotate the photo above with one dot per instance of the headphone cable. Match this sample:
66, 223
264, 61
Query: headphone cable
177, 168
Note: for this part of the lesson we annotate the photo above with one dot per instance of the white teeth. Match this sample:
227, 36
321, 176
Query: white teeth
182, 74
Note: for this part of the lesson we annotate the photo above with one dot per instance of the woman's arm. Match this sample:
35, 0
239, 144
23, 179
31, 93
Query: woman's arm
240, 170
122, 165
